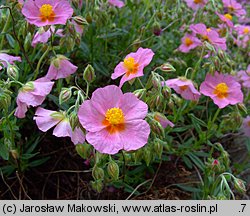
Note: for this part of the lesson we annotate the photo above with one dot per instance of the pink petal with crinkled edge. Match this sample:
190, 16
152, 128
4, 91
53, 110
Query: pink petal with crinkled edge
106, 98
42, 87
63, 129
41, 38
132, 107
119, 71
105, 142
66, 68
44, 120
29, 99
21, 109
116, 3
77, 136
135, 135
90, 118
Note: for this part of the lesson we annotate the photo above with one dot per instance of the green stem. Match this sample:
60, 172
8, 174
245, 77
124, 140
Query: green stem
141, 83
4, 30
87, 90
198, 63
40, 62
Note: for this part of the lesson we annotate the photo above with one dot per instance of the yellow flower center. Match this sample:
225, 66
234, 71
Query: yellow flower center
114, 120
130, 65
198, 1
221, 90
246, 30
188, 41
114, 116
228, 16
47, 12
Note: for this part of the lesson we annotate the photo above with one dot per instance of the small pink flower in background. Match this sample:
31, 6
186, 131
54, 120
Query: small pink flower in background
243, 30
184, 87
207, 34
196, 4
60, 67
163, 120
223, 89
133, 65
234, 7
189, 42
116, 3
246, 126
6, 59
47, 12
226, 18
114, 120
46, 119
244, 77
43, 36
32, 94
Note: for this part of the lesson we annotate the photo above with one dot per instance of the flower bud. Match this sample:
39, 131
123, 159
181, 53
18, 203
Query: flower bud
97, 185
158, 148
65, 95
12, 72
14, 154
80, 20
157, 29
73, 120
166, 67
166, 92
139, 93
242, 107
97, 173
89, 74
147, 156
113, 170
89, 18
239, 185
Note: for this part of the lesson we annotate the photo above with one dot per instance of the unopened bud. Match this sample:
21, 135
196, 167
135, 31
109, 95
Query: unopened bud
89, 18
73, 120
97, 173
158, 148
113, 170
166, 92
12, 72
89, 74
14, 154
166, 67
139, 93
157, 28
239, 185
80, 20
65, 95
147, 156
242, 107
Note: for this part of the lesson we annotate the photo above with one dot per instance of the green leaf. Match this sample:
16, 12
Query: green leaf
197, 161
188, 188
4, 151
187, 162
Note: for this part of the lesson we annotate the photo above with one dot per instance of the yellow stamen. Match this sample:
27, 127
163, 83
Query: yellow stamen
183, 88
221, 90
248, 123
246, 30
130, 65
228, 16
47, 12
188, 41
114, 120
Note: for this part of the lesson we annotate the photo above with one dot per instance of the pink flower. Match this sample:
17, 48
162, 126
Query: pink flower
244, 77
234, 7
46, 119
116, 3
6, 59
209, 35
32, 94
43, 36
226, 18
184, 87
223, 89
114, 120
246, 126
60, 67
133, 65
189, 42
196, 4
163, 120
243, 30
47, 12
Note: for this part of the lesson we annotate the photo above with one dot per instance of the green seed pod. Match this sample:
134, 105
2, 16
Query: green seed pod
158, 148
97, 185
147, 156
80, 20
89, 74
113, 170
84, 150
166, 67
139, 93
73, 120
97, 173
